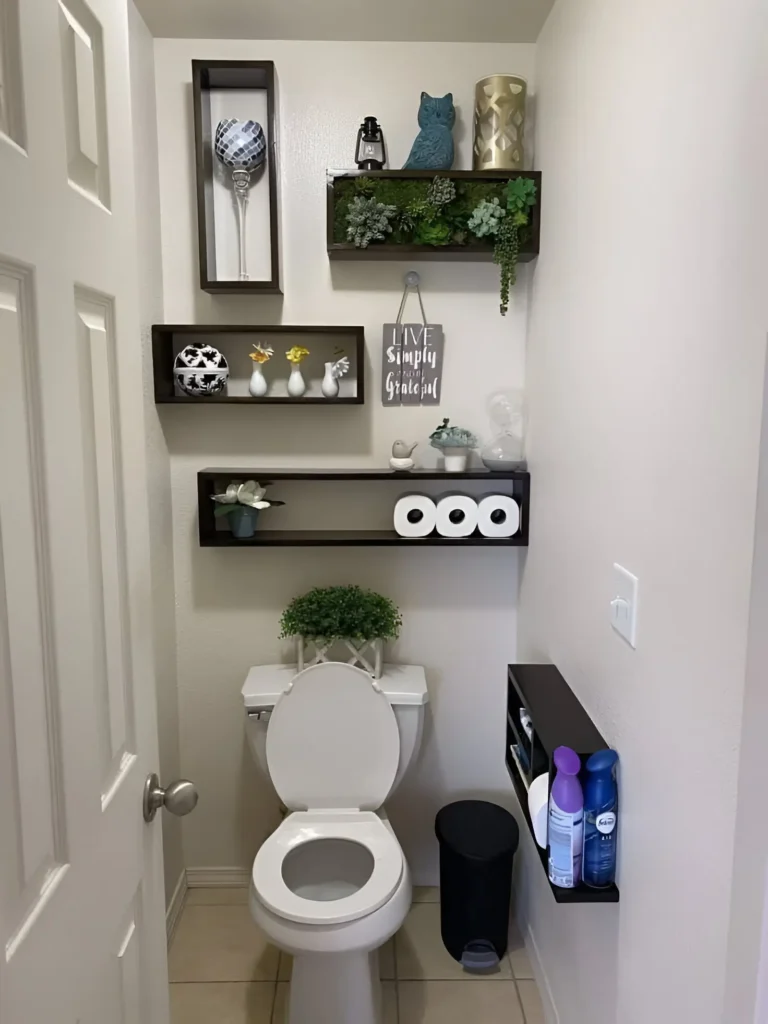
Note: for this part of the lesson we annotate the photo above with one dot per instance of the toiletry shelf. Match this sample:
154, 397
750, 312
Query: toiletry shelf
558, 719
235, 342
208, 480
472, 252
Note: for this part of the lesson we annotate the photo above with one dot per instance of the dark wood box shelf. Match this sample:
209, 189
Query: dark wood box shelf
234, 76
558, 720
472, 252
208, 480
169, 339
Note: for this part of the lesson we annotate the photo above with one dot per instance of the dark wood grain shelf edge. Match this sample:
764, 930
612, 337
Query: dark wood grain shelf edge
349, 538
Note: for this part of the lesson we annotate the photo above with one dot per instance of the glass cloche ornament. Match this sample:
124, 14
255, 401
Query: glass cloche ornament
504, 452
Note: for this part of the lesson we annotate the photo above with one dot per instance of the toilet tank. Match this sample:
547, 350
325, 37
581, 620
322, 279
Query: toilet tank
405, 686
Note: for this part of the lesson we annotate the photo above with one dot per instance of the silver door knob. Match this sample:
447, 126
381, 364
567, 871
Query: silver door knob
179, 798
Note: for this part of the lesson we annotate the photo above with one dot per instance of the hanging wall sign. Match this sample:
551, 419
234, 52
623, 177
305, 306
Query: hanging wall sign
412, 357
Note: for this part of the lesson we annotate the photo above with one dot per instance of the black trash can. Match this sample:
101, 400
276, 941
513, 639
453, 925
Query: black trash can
477, 849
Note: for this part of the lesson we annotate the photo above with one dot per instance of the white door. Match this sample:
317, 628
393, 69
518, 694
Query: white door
81, 896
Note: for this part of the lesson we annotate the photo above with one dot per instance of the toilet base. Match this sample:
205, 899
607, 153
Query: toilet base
341, 988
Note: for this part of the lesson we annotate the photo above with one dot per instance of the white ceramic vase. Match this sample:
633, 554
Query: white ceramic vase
258, 386
455, 459
296, 384
330, 385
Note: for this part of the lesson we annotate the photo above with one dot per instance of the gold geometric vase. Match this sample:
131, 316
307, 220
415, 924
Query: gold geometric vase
499, 123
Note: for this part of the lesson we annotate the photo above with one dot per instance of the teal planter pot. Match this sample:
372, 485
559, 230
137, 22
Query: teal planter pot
242, 521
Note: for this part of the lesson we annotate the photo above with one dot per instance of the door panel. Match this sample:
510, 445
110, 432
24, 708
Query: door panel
31, 798
81, 902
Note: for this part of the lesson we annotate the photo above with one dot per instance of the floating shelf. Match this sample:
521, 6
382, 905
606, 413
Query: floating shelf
209, 481
558, 720
472, 252
243, 89
236, 341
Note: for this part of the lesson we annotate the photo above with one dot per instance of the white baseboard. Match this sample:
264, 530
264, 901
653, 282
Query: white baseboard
175, 907
218, 878
547, 1000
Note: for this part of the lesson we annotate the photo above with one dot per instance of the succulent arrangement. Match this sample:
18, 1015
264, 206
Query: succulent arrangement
520, 197
347, 612
368, 221
441, 211
486, 217
446, 436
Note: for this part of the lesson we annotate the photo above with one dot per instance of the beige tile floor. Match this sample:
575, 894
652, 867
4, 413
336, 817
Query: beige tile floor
223, 971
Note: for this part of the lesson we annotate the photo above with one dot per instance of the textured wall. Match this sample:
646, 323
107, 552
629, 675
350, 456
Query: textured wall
459, 606
645, 379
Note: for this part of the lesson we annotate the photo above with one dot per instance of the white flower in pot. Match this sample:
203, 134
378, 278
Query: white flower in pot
455, 443
241, 503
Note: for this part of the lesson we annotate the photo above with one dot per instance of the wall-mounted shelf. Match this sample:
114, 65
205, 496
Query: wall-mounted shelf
242, 89
214, 533
236, 342
558, 720
338, 249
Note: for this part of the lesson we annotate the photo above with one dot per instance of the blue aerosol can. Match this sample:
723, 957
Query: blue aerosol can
601, 818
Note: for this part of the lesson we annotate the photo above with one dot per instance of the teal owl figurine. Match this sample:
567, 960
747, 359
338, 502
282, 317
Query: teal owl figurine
432, 149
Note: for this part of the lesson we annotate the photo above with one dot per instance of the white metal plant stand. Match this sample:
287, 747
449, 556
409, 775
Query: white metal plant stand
365, 654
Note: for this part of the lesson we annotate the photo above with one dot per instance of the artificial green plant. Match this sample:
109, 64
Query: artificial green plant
346, 612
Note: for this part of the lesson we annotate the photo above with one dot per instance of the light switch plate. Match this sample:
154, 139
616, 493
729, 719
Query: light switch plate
624, 604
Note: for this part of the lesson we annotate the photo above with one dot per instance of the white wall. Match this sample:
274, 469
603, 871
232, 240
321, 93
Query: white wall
460, 606
748, 938
158, 464
645, 373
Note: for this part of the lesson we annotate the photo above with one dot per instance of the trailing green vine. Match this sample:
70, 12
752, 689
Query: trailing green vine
437, 212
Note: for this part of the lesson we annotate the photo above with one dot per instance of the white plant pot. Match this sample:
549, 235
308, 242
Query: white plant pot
296, 384
455, 459
258, 386
330, 385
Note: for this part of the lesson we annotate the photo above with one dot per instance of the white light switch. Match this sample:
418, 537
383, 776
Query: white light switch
624, 604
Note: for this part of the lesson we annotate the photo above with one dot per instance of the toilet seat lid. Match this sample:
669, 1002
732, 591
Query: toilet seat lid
333, 741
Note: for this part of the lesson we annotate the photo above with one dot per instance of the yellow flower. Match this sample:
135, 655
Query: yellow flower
262, 353
296, 354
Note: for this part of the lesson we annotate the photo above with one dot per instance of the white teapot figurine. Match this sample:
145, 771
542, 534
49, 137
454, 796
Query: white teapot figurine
401, 455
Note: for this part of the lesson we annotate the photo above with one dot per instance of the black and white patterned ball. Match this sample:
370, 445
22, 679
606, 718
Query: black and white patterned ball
240, 145
200, 369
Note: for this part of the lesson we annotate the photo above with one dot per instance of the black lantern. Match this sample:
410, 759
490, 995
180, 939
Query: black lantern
370, 154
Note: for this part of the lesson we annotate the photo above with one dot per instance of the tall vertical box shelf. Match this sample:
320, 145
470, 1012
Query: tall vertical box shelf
245, 90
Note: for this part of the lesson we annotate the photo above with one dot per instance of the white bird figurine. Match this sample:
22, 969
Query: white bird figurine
401, 455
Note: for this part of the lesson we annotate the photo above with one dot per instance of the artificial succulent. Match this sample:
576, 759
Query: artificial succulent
368, 221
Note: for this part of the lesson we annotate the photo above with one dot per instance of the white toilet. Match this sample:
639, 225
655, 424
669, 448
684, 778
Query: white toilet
331, 884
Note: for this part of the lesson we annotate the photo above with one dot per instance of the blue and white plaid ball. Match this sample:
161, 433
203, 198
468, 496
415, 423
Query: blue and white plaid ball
240, 145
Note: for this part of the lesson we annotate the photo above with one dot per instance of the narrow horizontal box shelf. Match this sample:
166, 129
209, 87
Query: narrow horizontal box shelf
471, 252
367, 474
350, 538
558, 720
210, 480
235, 342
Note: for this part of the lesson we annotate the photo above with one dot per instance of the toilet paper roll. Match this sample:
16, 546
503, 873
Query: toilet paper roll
538, 808
498, 515
456, 515
415, 515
